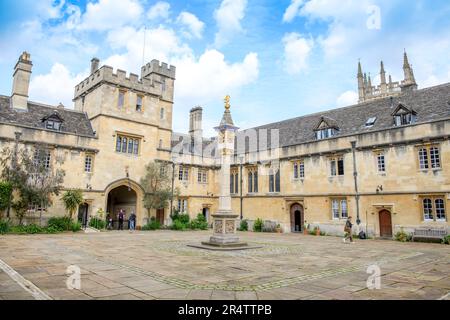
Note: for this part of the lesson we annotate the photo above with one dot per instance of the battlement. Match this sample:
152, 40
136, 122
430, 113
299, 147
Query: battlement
119, 78
155, 66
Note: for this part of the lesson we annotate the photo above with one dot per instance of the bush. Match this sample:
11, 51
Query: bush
258, 225
183, 218
152, 225
402, 236
29, 229
76, 226
97, 223
51, 230
199, 223
4, 226
446, 240
243, 226
178, 225
60, 223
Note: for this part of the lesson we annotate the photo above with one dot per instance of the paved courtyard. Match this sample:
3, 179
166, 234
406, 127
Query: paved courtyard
160, 265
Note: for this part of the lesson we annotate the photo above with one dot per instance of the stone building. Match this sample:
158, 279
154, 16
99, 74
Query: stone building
395, 141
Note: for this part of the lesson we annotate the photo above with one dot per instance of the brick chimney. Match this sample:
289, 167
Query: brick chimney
21, 82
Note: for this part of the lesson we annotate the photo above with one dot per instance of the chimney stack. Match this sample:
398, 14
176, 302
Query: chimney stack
95, 62
195, 122
21, 82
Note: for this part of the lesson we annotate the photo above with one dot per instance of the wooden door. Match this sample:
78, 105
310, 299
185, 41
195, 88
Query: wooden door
160, 216
385, 224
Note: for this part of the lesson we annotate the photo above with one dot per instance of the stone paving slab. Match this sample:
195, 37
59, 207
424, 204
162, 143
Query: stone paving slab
161, 265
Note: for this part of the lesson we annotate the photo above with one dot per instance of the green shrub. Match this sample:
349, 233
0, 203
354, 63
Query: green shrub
178, 225
5, 226
402, 236
152, 225
258, 225
183, 218
51, 230
76, 226
199, 223
33, 229
97, 223
243, 226
60, 223
446, 240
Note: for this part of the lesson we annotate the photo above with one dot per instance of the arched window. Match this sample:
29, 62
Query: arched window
250, 182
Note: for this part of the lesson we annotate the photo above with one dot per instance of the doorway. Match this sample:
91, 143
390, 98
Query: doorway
160, 216
296, 218
83, 211
385, 224
121, 198
205, 213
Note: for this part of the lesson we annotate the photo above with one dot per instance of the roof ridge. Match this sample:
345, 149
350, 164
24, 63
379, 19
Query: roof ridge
321, 113
40, 104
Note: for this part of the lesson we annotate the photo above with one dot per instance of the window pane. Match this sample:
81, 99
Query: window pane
180, 174
88, 164
121, 99
333, 168
440, 209
427, 209
271, 182
231, 183
119, 143
381, 163
124, 144
302, 170
130, 145
335, 209
255, 182
236, 181
296, 170
434, 157
186, 174
341, 167
136, 147
423, 158
277, 181
250, 182
344, 211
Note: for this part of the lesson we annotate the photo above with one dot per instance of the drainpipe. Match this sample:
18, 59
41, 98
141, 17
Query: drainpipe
173, 182
355, 176
240, 185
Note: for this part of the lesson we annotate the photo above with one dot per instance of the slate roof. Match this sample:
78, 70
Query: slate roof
74, 122
430, 104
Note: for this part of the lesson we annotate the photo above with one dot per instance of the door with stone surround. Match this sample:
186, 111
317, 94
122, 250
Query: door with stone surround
297, 218
385, 224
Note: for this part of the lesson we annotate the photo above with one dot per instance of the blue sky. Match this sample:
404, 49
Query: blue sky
276, 58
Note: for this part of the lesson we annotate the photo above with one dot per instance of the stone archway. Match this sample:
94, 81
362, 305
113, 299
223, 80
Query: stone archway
124, 195
297, 218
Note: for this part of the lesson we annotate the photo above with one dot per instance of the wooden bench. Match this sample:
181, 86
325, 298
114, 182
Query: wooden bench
429, 234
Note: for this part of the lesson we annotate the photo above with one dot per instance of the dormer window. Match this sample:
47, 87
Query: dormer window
371, 122
326, 128
404, 116
53, 122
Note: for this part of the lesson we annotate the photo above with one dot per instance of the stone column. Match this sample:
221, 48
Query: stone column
225, 219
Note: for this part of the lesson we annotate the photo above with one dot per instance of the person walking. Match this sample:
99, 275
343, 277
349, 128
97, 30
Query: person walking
132, 221
121, 217
110, 221
348, 230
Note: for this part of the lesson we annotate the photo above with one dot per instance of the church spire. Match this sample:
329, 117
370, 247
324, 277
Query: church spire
361, 89
409, 82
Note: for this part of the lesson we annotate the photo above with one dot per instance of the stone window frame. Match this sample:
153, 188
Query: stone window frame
335, 167
182, 206
128, 144
429, 207
274, 180
298, 168
140, 107
429, 157
234, 182
37, 158
381, 162
121, 98
202, 176
90, 165
252, 180
183, 173
340, 212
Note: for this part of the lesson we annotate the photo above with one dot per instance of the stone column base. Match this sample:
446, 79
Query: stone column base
225, 230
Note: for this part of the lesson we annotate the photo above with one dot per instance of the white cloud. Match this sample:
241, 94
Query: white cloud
348, 98
292, 11
56, 86
160, 10
109, 14
211, 77
228, 17
192, 23
296, 52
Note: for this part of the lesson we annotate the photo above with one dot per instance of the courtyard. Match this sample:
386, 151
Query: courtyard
161, 265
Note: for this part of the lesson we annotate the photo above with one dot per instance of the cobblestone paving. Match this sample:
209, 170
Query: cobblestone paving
160, 265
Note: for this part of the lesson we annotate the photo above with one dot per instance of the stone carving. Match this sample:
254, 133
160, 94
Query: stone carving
230, 226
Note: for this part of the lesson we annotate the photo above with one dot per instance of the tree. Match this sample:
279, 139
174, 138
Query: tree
72, 199
5, 196
31, 175
157, 186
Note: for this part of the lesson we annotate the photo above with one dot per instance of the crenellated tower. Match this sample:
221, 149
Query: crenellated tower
368, 92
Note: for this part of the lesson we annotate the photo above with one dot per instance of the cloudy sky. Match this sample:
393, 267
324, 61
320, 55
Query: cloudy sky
276, 58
